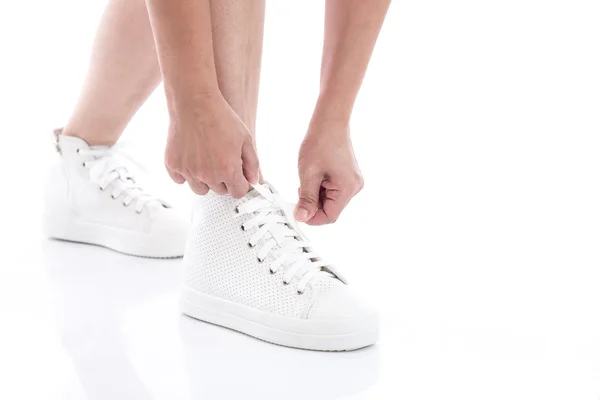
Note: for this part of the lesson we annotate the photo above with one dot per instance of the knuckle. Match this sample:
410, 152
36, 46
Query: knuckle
238, 194
171, 164
308, 198
357, 181
218, 188
209, 179
222, 170
195, 172
200, 189
177, 178
229, 171
200, 178
360, 183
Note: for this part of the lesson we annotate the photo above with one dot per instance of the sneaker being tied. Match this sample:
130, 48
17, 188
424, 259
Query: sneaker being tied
248, 267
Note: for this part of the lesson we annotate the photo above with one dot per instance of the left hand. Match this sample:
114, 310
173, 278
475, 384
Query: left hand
329, 173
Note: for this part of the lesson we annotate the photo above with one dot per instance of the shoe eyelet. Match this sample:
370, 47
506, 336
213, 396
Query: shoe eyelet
250, 245
83, 163
259, 260
271, 271
244, 229
113, 197
300, 292
78, 151
138, 212
237, 210
125, 205
101, 188
285, 283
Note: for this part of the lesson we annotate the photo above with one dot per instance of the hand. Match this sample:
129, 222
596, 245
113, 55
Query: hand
210, 147
329, 174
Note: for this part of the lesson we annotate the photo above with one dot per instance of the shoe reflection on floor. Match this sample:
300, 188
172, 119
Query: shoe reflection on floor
121, 327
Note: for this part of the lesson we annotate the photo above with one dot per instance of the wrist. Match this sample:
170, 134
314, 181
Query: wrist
188, 103
333, 109
326, 126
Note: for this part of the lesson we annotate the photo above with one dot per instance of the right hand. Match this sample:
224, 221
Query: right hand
210, 147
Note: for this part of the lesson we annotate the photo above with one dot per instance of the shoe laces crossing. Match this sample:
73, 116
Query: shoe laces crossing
283, 239
109, 168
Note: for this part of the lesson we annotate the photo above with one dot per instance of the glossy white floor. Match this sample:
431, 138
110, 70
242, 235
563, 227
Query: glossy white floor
476, 236
82, 322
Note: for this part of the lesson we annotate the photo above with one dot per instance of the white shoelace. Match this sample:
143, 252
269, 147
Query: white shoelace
108, 168
287, 244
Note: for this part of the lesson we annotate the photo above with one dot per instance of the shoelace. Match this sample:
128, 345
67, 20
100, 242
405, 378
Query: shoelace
107, 168
287, 244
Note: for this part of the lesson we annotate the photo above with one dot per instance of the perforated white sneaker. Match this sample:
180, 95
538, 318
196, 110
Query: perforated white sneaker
248, 267
91, 197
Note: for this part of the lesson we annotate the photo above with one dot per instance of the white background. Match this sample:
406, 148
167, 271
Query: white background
477, 130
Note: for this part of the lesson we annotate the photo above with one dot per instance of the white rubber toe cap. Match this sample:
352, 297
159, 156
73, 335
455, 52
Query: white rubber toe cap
340, 303
168, 234
342, 312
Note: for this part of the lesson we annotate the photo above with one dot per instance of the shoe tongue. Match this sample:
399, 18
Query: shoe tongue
260, 191
252, 194
324, 277
256, 190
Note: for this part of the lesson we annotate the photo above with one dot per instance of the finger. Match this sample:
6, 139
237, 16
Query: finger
333, 204
197, 186
250, 163
308, 202
176, 177
320, 218
238, 186
219, 188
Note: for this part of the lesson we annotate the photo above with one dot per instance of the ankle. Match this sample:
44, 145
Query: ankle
93, 137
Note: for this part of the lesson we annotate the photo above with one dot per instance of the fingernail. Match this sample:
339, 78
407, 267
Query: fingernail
302, 214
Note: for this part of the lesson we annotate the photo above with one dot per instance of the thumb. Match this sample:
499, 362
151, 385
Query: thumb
250, 162
310, 188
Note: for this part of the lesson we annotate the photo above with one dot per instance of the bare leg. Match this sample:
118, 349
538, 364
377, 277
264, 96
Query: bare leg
237, 28
116, 212
122, 74
124, 68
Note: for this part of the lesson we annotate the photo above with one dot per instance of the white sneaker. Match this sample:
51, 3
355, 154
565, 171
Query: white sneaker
91, 197
247, 267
